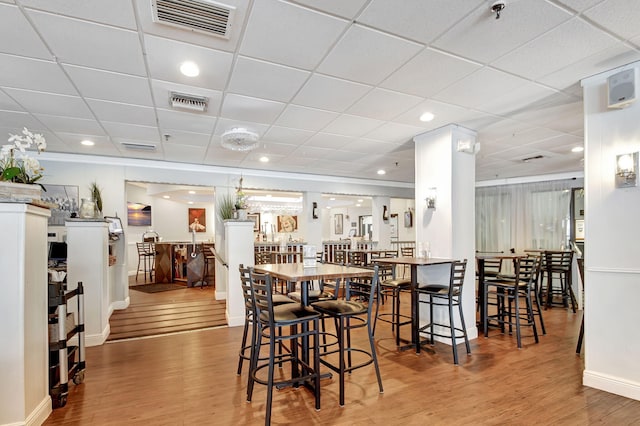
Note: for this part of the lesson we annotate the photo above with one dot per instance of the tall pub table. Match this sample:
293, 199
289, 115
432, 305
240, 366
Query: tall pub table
414, 262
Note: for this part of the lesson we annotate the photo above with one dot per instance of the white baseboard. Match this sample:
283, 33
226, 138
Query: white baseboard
40, 414
97, 339
616, 385
234, 321
221, 295
121, 304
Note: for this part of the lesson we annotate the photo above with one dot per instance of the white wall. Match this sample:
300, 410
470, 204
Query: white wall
612, 274
399, 206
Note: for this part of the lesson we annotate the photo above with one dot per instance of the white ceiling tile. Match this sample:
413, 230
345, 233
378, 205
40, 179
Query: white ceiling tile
384, 104
171, 121
158, 154
179, 138
34, 74
420, 20
165, 57
12, 21
299, 117
483, 38
352, 125
51, 104
313, 152
394, 132
16, 120
512, 101
287, 135
125, 113
579, 5
328, 140
103, 145
560, 144
6, 103
525, 136
70, 125
476, 88
568, 43
111, 86
423, 76
123, 130
270, 28
97, 46
266, 80
618, 55
114, 12
444, 114
369, 146
281, 149
346, 9
250, 109
330, 93
366, 55
607, 14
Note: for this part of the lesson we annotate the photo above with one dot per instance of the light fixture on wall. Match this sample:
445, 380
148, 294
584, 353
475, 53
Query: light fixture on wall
385, 213
627, 170
468, 146
314, 212
431, 198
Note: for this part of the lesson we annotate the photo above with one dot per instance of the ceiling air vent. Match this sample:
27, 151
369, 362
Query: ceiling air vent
535, 157
139, 146
189, 102
200, 15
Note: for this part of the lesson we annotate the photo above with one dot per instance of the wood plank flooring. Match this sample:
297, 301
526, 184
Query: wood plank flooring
190, 379
167, 312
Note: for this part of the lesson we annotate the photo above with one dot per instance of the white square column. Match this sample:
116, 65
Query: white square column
445, 170
239, 250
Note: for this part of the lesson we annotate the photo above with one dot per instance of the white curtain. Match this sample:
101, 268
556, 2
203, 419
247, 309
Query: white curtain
523, 216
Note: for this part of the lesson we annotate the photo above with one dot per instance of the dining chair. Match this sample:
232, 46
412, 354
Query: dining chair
558, 263
302, 323
393, 287
508, 294
250, 330
351, 313
449, 295
146, 258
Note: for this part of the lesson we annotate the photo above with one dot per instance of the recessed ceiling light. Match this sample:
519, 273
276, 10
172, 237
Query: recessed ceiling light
382, 172
190, 202
577, 149
332, 199
427, 116
358, 205
166, 197
190, 69
328, 207
268, 195
360, 201
264, 159
192, 192
87, 142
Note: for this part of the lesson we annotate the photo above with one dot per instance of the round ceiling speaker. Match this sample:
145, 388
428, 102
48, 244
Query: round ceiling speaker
239, 139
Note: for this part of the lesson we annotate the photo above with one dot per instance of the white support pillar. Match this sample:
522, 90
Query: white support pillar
24, 360
381, 228
448, 230
310, 227
239, 250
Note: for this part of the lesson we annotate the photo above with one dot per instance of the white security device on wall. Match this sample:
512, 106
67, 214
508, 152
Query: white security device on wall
622, 88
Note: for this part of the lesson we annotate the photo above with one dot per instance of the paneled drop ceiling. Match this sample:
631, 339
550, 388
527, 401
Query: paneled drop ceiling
332, 87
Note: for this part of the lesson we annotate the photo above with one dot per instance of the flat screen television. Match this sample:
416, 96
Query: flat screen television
57, 251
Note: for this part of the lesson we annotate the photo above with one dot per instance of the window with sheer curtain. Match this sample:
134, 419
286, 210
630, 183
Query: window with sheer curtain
523, 216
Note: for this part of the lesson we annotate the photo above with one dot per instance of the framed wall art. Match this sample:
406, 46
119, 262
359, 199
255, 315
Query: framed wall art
197, 220
287, 223
255, 217
337, 224
138, 214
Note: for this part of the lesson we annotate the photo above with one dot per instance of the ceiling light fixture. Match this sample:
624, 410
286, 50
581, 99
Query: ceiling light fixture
264, 159
166, 197
239, 139
381, 172
87, 142
577, 149
190, 69
427, 116
192, 192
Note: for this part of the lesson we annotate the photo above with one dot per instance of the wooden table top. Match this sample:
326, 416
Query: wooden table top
411, 260
295, 272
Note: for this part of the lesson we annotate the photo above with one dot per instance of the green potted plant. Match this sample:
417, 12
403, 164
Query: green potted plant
96, 196
226, 206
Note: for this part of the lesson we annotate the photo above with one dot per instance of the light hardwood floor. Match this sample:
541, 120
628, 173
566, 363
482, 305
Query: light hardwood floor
190, 379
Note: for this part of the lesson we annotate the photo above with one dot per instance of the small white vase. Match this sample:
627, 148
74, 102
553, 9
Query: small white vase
19, 192
242, 214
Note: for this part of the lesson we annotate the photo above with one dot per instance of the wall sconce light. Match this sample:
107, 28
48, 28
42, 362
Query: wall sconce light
385, 213
314, 211
431, 198
627, 170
